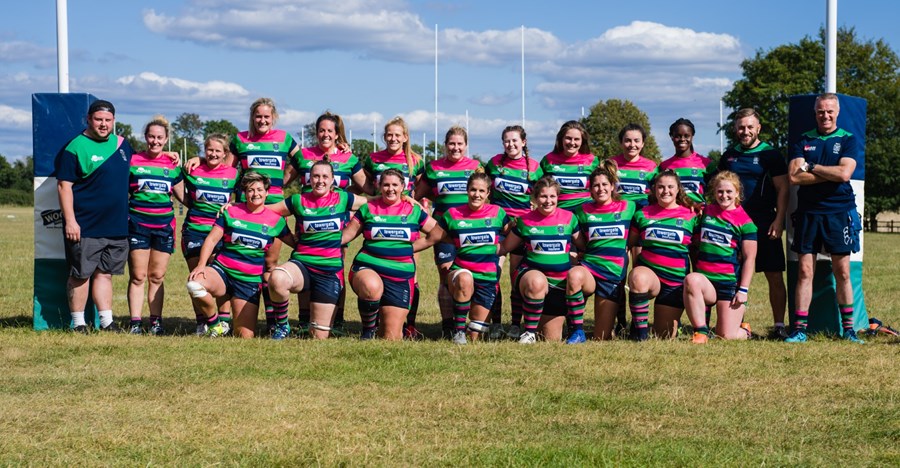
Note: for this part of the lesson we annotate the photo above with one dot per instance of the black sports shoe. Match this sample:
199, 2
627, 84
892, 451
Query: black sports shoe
112, 328
83, 329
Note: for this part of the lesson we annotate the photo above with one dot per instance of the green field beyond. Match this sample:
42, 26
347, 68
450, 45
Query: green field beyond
180, 400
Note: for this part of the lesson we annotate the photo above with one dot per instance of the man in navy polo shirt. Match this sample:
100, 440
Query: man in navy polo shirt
92, 173
763, 173
821, 164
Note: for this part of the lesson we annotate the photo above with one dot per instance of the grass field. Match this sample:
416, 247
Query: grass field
138, 400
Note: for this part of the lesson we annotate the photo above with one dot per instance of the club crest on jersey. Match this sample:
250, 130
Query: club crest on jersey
679, 222
166, 172
265, 229
487, 222
837, 148
331, 210
403, 219
335, 165
756, 160
617, 216
581, 168
275, 146
642, 175
560, 229
225, 183
695, 172
468, 173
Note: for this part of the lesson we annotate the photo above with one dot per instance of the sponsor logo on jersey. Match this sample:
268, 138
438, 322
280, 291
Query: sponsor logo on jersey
263, 161
662, 234
248, 241
52, 218
808, 148
212, 197
251, 146
452, 187
393, 233
378, 219
631, 188
153, 186
194, 245
96, 158
142, 170
571, 182
477, 238
607, 232
548, 246
464, 224
442, 174
238, 223
691, 186
708, 236
509, 186
322, 225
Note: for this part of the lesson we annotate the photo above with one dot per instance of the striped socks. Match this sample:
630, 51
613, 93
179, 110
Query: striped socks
280, 312
532, 308
368, 313
460, 314
575, 305
801, 317
515, 301
846, 316
639, 303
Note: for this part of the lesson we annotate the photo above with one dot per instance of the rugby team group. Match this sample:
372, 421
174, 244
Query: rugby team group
570, 223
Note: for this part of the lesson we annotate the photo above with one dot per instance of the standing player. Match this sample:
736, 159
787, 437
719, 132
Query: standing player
727, 253
690, 166
92, 172
821, 164
570, 163
474, 229
763, 174
154, 178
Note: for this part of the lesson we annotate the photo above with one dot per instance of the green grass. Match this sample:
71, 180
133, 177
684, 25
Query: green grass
131, 400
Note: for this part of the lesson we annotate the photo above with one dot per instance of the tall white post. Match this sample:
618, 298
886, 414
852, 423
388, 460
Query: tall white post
523, 76
831, 47
721, 126
374, 135
435, 89
350, 137
62, 46
467, 130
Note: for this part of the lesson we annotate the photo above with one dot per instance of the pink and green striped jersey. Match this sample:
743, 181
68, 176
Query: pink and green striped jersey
343, 164
475, 235
448, 182
572, 175
548, 240
635, 177
388, 235
319, 222
205, 191
665, 237
606, 229
722, 235
266, 154
513, 181
692, 171
380, 161
247, 238
150, 185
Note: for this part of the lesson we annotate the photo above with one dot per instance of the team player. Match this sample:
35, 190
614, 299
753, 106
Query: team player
663, 229
474, 230
252, 235
92, 174
317, 263
821, 164
763, 174
444, 183
727, 253
690, 166
547, 233
604, 225
513, 174
153, 180
570, 163
383, 272
208, 187
332, 147
398, 154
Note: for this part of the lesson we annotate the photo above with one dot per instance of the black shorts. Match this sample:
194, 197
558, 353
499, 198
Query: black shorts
555, 303
724, 291
837, 233
769, 252
324, 288
609, 290
397, 291
108, 255
192, 242
672, 296
160, 239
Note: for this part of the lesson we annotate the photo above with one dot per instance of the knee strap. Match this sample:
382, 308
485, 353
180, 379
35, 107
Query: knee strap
478, 327
196, 290
638, 297
319, 327
285, 272
455, 273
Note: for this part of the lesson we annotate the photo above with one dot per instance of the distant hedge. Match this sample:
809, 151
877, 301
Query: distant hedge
16, 197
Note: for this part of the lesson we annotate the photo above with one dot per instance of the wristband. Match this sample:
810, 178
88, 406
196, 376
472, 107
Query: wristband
744, 290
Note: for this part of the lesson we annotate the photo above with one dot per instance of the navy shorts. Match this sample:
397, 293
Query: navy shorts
609, 290
397, 291
192, 241
555, 303
238, 289
444, 252
672, 296
769, 252
725, 291
143, 238
324, 288
837, 233
485, 292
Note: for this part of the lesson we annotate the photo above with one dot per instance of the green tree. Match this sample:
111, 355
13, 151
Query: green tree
222, 126
307, 138
865, 68
188, 131
362, 149
607, 118
126, 131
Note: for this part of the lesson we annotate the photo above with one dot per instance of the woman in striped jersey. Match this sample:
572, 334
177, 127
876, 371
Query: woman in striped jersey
398, 154
154, 178
604, 224
444, 183
383, 272
663, 229
252, 235
317, 263
546, 233
332, 146
474, 230
208, 187
691, 167
570, 163
513, 174
725, 263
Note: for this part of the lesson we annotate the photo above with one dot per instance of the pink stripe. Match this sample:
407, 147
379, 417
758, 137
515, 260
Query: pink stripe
715, 267
662, 260
240, 266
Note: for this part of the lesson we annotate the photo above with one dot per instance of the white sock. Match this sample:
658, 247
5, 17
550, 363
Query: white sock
78, 319
105, 318
779, 324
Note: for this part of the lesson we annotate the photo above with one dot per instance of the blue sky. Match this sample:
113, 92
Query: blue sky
369, 60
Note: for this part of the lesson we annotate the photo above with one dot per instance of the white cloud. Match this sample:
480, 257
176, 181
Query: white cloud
21, 51
491, 99
12, 118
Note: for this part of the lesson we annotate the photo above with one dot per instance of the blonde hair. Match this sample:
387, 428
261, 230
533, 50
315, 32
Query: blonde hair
542, 183
219, 137
158, 120
263, 101
411, 158
726, 176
